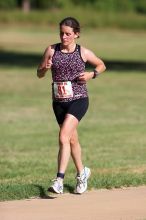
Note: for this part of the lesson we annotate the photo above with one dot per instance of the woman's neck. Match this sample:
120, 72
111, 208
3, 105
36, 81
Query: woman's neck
68, 48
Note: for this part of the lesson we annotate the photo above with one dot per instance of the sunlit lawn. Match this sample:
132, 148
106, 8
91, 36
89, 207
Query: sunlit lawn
112, 133
108, 44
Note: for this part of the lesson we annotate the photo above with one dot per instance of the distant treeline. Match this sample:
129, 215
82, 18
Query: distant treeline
123, 14
137, 6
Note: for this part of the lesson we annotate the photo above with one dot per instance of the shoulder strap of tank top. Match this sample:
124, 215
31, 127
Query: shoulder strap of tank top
79, 51
57, 47
78, 48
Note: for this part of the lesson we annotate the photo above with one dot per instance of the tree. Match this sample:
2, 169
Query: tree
8, 4
26, 5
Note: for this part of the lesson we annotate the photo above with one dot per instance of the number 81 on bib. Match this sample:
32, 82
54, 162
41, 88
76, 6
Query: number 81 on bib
63, 90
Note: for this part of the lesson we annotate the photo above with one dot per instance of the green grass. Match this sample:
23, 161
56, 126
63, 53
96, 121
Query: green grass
94, 18
109, 44
112, 134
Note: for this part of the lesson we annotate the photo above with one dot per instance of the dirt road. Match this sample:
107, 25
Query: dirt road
116, 204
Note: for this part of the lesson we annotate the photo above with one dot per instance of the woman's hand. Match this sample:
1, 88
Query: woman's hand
44, 67
84, 77
46, 62
49, 63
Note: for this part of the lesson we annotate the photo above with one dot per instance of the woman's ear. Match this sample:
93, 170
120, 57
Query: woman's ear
77, 35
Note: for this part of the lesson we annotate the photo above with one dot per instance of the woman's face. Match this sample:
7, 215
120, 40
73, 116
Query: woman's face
67, 35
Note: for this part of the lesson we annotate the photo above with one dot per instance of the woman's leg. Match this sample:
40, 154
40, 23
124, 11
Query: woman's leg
83, 173
76, 151
67, 130
69, 144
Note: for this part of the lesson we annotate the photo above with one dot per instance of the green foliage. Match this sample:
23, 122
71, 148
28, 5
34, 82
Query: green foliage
43, 4
114, 5
123, 5
83, 2
93, 18
47, 4
8, 4
140, 6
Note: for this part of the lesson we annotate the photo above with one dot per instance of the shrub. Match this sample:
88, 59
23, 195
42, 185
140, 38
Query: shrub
8, 4
141, 6
47, 4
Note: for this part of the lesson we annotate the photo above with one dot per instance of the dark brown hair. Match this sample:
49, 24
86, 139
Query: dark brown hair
71, 22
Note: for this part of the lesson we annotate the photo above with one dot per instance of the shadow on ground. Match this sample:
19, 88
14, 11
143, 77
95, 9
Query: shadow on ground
49, 194
69, 188
17, 59
42, 193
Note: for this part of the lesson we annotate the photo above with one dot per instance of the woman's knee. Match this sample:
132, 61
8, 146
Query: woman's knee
73, 140
63, 139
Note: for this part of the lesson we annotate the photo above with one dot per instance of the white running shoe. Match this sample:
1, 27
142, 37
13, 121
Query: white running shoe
57, 186
82, 180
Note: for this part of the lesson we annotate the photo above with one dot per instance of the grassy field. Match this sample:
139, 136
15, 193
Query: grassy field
89, 18
112, 133
108, 44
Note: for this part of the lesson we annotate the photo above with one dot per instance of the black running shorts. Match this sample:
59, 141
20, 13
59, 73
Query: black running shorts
76, 108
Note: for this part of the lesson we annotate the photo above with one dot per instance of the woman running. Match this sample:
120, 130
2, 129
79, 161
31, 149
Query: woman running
70, 97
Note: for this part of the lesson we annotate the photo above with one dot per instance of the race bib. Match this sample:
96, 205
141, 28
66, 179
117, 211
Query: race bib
63, 90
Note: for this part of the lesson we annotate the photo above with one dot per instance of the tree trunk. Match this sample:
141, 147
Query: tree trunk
26, 5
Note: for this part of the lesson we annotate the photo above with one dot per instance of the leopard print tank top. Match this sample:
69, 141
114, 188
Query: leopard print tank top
68, 67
